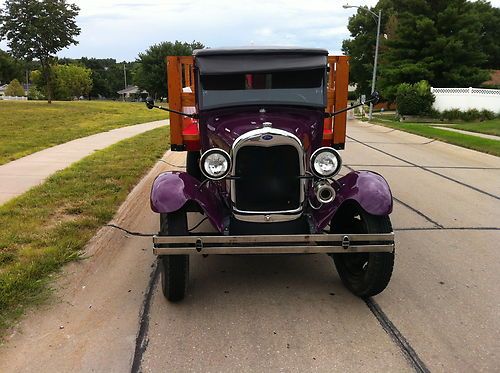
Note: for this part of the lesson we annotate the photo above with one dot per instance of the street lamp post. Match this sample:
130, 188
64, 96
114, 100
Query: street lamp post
374, 76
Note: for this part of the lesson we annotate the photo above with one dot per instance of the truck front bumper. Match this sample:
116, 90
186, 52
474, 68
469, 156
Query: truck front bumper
274, 244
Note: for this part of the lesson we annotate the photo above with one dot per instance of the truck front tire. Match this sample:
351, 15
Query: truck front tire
364, 274
174, 269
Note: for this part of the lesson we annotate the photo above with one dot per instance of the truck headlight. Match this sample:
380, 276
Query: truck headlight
215, 164
325, 162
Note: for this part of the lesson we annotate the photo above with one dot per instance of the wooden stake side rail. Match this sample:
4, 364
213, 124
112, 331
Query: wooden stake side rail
179, 75
339, 73
184, 133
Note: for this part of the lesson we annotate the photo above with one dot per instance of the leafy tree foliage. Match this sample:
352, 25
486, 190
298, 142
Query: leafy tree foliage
35, 94
38, 29
10, 68
15, 89
489, 19
361, 46
150, 73
72, 81
446, 42
107, 74
69, 81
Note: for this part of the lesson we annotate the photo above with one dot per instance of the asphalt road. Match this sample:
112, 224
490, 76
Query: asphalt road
291, 313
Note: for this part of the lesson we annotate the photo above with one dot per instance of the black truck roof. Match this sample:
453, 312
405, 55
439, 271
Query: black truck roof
258, 59
258, 50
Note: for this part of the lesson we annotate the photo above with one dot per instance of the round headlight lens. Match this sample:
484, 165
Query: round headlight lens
215, 164
326, 162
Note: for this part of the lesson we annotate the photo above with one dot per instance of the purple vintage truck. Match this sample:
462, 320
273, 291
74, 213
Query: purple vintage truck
263, 164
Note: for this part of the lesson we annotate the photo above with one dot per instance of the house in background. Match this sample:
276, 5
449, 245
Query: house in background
132, 93
3, 87
494, 80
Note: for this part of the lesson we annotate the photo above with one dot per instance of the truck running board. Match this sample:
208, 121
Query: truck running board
274, 244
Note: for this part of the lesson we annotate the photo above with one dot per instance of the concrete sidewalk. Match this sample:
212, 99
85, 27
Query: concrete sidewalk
22, 174
470, 133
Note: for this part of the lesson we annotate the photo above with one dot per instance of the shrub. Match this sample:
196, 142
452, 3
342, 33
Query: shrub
467, 116
470, 115
487, 115
35, 94
451, 115
14, 89
414, 99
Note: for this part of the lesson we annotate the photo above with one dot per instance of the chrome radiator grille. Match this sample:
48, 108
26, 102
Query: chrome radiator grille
266, 185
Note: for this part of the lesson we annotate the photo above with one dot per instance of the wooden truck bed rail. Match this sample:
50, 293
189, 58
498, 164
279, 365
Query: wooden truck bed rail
184, 132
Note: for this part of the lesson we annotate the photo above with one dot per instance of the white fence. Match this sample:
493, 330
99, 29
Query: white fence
13, 98
466, 98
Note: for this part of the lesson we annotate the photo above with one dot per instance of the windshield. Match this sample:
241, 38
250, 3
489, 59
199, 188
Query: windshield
305, 88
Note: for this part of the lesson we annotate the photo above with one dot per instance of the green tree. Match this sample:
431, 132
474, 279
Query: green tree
34, 93
150, 73
446, 42
107, 74
438, 41
10, 68
69, 81
361, 46
15, 89
489, 31
38, 29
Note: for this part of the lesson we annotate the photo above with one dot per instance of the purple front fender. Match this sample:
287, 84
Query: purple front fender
171, 190
369, 189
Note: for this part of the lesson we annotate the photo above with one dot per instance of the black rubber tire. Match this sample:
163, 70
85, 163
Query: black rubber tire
364, 274
174, 269
193, 165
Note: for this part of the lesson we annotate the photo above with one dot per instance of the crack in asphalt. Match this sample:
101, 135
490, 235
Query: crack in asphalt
387, 325
142, 340
416, 211
427, 169
409, 353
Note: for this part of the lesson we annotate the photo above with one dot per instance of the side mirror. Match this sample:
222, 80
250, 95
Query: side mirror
375, 97
150, 102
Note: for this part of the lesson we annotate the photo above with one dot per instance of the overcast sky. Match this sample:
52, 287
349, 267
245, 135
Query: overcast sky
122, 29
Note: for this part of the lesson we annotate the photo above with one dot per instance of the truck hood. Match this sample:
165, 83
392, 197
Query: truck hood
222, 127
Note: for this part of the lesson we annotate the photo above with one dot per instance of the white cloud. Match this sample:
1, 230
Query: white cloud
122, 29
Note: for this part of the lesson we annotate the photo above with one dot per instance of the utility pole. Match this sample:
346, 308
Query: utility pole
125, 80
374, 77
125, 75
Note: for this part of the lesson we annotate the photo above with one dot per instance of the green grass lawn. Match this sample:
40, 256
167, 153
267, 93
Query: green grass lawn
455, 138
29, 126
51, 223
489, 127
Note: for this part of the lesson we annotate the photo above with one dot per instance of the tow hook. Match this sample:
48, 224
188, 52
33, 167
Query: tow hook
199, 244
345, 242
